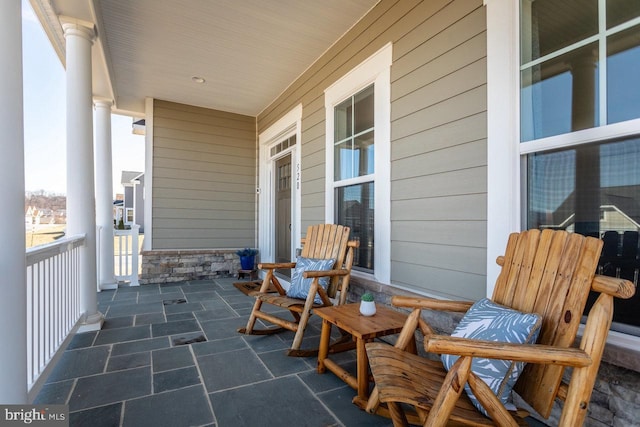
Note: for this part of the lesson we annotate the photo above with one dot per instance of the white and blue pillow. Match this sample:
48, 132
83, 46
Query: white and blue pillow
489, 321
300, 286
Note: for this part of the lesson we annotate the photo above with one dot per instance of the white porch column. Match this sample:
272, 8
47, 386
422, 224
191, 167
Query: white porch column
13, 304
104, 194
81, 209
503, 132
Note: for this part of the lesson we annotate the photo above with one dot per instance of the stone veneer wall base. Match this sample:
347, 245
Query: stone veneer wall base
165, 266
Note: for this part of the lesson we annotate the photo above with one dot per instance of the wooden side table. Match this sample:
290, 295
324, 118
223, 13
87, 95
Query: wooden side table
363, 329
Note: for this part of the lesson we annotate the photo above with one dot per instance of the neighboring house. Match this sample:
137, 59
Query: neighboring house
433, 128
32, 217
133, 200
118, 208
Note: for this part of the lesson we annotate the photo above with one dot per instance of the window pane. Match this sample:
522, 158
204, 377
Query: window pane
560, 95
550, 25
593, 190
355, 209
623, 71
344, 161
363, 104
342, 120
620, 11
364, 153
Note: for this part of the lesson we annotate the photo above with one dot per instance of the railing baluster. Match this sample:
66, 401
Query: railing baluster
53, 301
127, 255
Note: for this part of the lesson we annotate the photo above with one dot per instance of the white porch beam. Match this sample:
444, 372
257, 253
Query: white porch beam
104, 194
13, 304
81, 209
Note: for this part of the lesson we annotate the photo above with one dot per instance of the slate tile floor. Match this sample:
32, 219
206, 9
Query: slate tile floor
169, 355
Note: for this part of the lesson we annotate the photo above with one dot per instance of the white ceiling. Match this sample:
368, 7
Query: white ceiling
248, 51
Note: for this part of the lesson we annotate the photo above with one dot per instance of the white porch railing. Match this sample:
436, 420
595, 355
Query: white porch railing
126, 250
53, 301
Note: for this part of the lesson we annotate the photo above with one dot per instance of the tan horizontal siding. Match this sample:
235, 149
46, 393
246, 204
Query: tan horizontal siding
203, 166
219, 195
453, 284
185, 137
454, 183
469, 233
463, 130
462, 208
188, 150
204, 178
438, 137
201, 242
195, 205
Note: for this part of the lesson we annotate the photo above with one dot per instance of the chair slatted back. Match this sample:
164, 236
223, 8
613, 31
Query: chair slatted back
329, 241
549, 273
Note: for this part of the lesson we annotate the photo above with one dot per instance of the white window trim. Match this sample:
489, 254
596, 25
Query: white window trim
287, 125
503, 149
374, 70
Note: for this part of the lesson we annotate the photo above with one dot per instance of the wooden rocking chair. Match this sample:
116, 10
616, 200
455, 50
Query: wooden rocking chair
549, 273
323, 241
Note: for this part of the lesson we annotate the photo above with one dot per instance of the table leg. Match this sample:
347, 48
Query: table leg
325, 337
363, 369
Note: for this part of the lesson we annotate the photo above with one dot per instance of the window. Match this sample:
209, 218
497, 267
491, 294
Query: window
593, 189
353, 156
129, 216
358, 160
580, 71
579, 68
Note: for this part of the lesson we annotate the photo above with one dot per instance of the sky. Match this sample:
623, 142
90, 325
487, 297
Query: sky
45, 122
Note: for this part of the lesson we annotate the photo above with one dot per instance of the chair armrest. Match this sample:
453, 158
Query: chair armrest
532, 353
274, 265
325, 273
619, 288
430, 303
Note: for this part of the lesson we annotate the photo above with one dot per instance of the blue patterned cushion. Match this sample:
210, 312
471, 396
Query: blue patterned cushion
489, 321
299, 285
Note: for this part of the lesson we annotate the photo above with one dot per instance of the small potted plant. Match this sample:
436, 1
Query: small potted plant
247, 258
367, 306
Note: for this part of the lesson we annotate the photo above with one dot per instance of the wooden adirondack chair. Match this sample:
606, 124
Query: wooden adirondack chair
323, 241
549, 273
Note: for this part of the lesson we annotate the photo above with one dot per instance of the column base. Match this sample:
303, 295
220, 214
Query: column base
91, 323
133, 283
108, 286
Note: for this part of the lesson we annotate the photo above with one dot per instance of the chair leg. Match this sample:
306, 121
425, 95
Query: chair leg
449, 393
252, 318
302, 324
397, 415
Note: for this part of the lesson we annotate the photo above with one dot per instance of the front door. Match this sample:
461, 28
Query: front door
283, 212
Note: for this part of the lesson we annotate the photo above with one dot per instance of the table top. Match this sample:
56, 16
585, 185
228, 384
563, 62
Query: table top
347, 317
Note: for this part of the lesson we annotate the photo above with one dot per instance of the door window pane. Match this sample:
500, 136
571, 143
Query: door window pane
354, 206
593, 190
